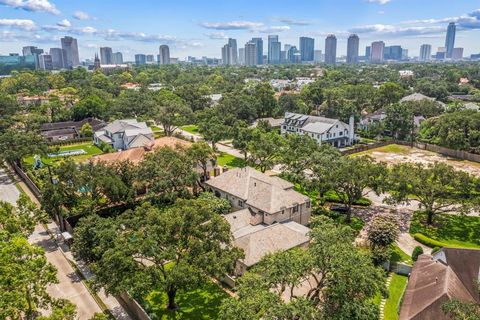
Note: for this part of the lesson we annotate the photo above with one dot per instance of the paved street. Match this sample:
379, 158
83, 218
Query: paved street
70, 286
8, 191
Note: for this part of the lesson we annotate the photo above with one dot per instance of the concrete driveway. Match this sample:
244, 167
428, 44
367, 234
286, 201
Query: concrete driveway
70, 285
8, 191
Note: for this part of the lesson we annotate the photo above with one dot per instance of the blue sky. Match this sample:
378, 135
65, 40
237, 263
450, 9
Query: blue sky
200, 28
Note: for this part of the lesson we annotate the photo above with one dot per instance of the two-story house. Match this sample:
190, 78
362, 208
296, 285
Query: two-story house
323, 130
125, 134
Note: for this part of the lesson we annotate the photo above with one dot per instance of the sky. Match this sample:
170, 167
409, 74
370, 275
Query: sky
200, 28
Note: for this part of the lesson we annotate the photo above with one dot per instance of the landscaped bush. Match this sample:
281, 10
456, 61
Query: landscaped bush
423, 239
435, 250
417, 251
331, 196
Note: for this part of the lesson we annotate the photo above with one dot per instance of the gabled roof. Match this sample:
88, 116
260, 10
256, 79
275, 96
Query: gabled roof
124, 125
266, 193
416, 97
312, 124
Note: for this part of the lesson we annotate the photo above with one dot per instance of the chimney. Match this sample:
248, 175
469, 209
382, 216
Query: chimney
225, 169
351, 129
216, 171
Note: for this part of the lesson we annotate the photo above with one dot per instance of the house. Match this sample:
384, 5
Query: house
372, 118
274, 123
323, 130
450, 274
125, 134
416, 97
269, 215
61, 131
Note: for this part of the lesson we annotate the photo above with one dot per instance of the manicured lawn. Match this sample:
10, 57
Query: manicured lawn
225, 159
391, 148
192, 128
453, 230
395, 290
203, 303
399, 256
90, 149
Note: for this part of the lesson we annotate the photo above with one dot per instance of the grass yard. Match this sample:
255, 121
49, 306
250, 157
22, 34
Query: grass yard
225, 159
203, 303
90, 149
399, 256
192, 128
396, 289
453, 230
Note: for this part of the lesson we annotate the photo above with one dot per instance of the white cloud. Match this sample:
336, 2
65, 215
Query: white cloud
216, 35
64, 23
32, 5
232, 25
18, 23
379, 1
88, 30
271, 29
81, 15
293, 22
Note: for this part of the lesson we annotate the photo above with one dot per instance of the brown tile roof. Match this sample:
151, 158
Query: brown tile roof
449, 274
135, 155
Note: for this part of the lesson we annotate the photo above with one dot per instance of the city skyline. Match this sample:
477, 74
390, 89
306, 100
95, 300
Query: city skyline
200, 32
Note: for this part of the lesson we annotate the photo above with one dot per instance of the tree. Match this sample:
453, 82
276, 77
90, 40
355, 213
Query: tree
16, 144
321, 163
242, 135
172, 115
20, 219
417, 251
437, 187
90, 106
176, 249
265, 96
383, 230
325, 271
203, 156
61, 310
388, 93
296, 155
24, 279
352, 177
462, 311
399, 120
264, 149
86, 130
212, 127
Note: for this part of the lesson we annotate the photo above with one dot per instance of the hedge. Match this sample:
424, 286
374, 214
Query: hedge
423, 239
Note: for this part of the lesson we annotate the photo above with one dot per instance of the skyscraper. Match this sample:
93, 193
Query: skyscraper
368, 53
233, 50
377, 53
45, 62
140, 59
227, 55
307, 48
241, 56
150, 59
395, 53
353, 46
164, 54
251, 54
274, 48
457, 54
331, 49
33, 51
425, 52
58, 56
117, 58
317, 56
106, 55
294, 55
70, 46
450, 39
259, 47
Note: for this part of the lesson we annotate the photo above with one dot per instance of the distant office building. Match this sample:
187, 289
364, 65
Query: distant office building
294, 55
352, 49
226, 55
58, 58
233, 50
33, 51
251, 54
274, 48
457, 54
475, 56
16, 62
117, 58
45, 62
106, 55
164, 55
307, 48
70, 46
140, 59
241, 56
450, 39
425, 52
317, 56
331, 49
441, 53
392, 53
150, 59
404, 54
377, 53
368, 53
259, 47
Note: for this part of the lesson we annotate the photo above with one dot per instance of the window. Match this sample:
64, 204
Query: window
295, 209
240, 203
340, 133
307, 205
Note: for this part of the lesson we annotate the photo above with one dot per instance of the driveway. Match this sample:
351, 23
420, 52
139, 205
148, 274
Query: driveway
70, 285
8, 190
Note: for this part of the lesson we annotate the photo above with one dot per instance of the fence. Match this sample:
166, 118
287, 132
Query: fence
362, 148
132, 306
31, 185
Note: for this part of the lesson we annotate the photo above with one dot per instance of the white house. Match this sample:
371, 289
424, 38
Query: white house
125, 134
323, 130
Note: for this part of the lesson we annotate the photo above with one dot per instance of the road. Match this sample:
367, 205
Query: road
8, 190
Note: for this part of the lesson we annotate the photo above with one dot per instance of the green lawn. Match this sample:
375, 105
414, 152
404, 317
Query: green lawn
391, 148
225, 159
90, 149
395, 293
399, 256
203, 303
192, 128
453, 230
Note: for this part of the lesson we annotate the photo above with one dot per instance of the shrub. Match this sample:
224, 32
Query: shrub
383, 230
416, 252
380, 255
423, 239
435, 250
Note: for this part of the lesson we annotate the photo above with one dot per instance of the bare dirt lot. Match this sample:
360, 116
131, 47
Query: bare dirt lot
393, 154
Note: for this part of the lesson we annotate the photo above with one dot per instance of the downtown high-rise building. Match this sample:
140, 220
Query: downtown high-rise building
45, 62
307, 49
425, 52
164, 55
377, 52
450, 39
251, 54
274, 48
70, 46
457, 54
318, 56
58, 58
259, 47
241, 56
294, 55
331, 49
368, 53
117, 58
33, 51
140, 59
233, 50
106, 55
393, 53
353, 46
